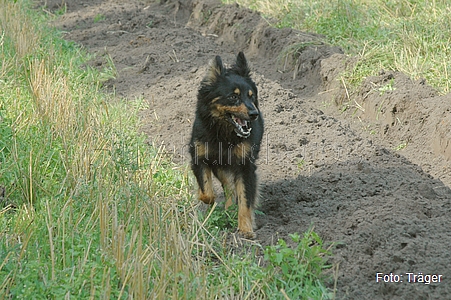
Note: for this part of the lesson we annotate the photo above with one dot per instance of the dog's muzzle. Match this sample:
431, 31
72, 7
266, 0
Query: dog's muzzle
242, 127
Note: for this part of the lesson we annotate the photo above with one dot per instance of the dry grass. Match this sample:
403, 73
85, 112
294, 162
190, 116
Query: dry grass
73, 175
18, 27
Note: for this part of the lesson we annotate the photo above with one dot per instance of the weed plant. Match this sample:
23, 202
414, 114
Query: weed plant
92, 211
407, 36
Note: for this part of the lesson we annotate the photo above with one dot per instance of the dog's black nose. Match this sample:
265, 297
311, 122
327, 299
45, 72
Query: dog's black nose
253, 114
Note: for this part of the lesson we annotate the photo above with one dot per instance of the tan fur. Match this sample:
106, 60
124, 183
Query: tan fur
207, 196
241, 151
245, 213
200, 148
226, 180
213, 73
221, 110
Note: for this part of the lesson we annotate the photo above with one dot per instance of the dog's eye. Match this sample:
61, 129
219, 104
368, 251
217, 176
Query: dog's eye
235, 98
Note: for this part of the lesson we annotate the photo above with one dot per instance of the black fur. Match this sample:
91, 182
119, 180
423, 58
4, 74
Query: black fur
226, 137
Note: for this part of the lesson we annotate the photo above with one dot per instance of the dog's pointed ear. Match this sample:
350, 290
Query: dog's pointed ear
241, 67
215, 70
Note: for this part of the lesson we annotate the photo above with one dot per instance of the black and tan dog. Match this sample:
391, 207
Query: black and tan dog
226, 137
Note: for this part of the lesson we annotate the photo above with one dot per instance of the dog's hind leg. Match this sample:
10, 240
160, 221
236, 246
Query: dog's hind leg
203, 176
246, 192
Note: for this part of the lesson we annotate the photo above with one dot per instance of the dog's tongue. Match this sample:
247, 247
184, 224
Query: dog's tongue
240, 122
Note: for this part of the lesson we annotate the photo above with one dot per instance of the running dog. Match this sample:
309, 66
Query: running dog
226, 137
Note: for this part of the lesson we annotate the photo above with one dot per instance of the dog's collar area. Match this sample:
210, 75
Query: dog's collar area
242, 128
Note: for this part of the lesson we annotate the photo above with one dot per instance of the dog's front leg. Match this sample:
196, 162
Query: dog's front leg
226, 179
203, 176
246, 199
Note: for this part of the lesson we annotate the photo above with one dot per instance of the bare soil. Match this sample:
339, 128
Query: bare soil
375, 178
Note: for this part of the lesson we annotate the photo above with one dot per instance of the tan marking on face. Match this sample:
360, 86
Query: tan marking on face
224, 109
237, 91
245, 213
214, 100
250, 93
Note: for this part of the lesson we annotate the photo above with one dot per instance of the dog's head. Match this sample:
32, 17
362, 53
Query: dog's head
229, 96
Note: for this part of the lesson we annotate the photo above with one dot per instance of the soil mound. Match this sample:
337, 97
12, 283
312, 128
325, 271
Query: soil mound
376, 180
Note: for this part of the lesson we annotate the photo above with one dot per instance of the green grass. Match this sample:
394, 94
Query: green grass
403, 35
92, 211
99, 18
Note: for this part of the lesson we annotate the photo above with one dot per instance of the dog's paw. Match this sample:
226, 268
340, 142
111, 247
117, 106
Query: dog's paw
250, 235
207, 199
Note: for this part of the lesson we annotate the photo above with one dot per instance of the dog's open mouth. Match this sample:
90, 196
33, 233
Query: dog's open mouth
242, 128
